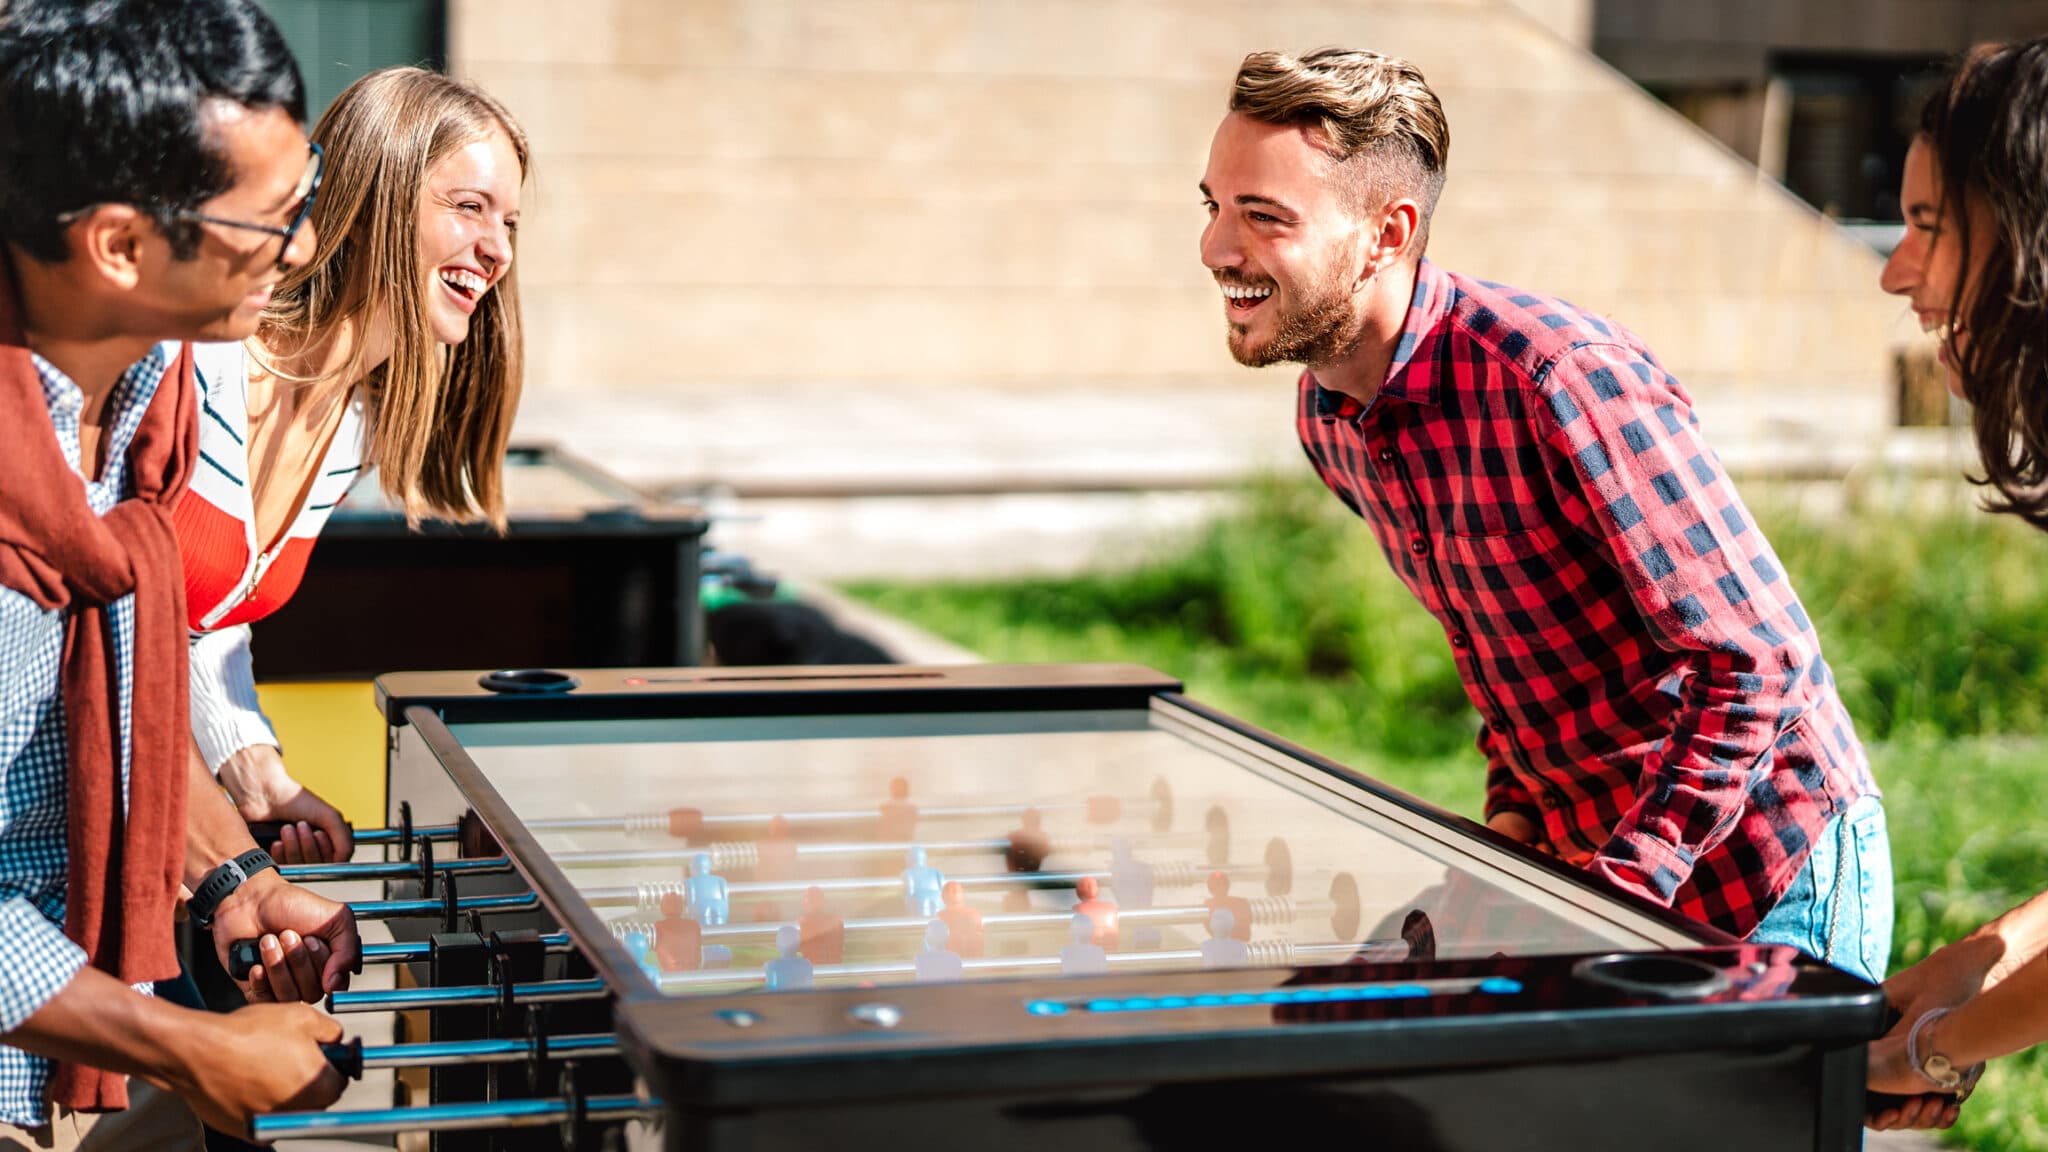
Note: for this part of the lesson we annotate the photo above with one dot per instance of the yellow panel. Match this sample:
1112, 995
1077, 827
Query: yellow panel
333, 740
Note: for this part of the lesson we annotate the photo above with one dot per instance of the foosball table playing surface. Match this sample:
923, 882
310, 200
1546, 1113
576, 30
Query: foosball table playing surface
1026, 907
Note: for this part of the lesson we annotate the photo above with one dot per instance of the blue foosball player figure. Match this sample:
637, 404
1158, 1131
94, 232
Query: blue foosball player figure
789, 969
717, 956
1082, 958
937, 963
708, 904
1223, 949
923, 885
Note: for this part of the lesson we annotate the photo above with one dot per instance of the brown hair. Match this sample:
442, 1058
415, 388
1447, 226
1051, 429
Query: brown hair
1989, 131
441, 415
1370, 112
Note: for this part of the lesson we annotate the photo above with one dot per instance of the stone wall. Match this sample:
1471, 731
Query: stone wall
755, 195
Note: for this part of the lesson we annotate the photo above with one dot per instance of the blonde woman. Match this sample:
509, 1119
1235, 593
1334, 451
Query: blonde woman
396, 348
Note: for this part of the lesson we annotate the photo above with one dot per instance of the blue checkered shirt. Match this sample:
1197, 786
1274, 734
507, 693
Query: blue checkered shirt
36, 959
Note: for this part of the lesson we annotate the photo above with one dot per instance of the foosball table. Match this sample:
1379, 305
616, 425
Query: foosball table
1019, 907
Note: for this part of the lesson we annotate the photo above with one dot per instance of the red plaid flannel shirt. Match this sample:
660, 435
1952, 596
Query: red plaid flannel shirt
1653, 695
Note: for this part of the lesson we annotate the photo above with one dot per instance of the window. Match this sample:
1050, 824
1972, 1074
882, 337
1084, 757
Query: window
337, 41
1852, 118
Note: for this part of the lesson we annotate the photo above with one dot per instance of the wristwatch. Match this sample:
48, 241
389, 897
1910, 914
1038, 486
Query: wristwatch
224, 880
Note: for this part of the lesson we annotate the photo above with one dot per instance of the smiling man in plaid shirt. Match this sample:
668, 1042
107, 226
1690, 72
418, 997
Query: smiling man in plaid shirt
1655, 705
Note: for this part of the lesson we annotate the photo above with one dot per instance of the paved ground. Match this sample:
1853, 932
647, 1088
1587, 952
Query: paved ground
834, 482
1899, 1142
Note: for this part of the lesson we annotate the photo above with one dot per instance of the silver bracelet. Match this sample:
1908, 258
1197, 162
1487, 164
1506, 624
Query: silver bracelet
1934, 1067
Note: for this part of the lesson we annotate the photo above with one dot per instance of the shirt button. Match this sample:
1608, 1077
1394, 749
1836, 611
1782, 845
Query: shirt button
1548, 802
1418, 545
1386, 456
1460, 641
1493, 724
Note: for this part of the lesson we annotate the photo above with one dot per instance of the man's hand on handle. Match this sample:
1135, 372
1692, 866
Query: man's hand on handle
260, 1059
307, 944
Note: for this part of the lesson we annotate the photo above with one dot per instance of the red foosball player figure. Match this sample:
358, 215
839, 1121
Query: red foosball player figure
899, 815
1239, 907
1100, 912
1029, 845
963, 924
678, 939
823, 935
774, 859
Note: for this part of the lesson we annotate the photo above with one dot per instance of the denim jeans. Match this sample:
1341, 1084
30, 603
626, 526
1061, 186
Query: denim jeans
1839, 907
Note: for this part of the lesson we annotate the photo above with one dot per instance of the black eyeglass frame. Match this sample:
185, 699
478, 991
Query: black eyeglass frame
318, 163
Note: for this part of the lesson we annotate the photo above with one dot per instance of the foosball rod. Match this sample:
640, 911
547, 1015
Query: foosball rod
466, 996
689, 823
1266, 910
401, 909
1260, 953
468, 1117
450, 1052
392, 869
266, 832
411, 951
1173, 874
731, 855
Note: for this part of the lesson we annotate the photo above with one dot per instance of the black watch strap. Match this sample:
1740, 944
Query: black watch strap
224, 880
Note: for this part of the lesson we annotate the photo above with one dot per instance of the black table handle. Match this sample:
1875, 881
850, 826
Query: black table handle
346, 1056
268, 832
243, 956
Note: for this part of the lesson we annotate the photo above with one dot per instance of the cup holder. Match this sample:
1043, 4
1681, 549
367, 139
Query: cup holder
528, 682
1663, 977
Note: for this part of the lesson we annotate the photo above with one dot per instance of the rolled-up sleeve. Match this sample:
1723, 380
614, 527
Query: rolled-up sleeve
226, 717
1708, 588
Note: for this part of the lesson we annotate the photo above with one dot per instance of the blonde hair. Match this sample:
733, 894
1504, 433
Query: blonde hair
441, 415
1372, 114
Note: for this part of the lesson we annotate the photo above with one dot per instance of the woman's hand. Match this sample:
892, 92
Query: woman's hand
1917, 1105
314, 831
1947, 978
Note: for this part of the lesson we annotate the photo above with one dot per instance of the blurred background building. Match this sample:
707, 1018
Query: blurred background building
917, 279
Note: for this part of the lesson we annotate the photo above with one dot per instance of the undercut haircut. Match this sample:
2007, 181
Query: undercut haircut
105, 101
1373, 115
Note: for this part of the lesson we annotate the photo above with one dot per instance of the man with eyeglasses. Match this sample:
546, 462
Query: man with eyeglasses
154, 186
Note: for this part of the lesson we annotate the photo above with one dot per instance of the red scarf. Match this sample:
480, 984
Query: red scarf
124, 865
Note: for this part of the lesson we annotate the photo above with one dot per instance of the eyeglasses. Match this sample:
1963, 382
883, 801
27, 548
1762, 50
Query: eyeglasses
309, 186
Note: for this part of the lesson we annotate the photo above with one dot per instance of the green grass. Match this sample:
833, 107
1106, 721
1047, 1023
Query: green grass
1966, 845
1284, 613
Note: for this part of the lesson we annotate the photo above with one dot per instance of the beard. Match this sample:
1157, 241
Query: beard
1321, 327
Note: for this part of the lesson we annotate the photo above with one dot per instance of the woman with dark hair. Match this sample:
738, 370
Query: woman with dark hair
1974, 263
397, 346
